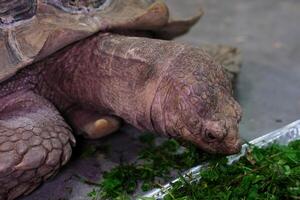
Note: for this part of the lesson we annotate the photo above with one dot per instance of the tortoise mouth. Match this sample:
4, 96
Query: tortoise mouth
16, 10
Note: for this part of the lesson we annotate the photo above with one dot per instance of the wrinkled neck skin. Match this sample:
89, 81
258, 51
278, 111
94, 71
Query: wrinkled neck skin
155, 85
113, 74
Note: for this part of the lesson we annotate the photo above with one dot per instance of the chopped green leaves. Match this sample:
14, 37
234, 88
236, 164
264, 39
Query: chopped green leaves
153, 168
270, 173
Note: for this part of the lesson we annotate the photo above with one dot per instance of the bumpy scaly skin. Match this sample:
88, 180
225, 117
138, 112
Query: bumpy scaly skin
34, 143
154, 85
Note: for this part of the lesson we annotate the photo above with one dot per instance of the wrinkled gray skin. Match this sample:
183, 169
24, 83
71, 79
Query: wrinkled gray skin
155, 85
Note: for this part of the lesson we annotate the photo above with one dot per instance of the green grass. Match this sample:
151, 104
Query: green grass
271, 173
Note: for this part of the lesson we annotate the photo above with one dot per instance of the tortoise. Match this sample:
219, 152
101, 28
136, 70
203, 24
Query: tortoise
86, 65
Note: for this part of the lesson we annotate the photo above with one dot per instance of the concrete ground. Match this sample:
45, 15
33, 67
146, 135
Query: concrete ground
268, 33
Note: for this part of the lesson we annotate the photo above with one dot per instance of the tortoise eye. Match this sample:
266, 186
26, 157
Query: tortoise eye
210, 136
80, 6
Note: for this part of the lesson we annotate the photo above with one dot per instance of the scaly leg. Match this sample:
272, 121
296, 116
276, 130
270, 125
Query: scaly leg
35, 142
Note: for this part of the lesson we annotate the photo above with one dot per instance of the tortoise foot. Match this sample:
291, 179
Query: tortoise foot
34, 143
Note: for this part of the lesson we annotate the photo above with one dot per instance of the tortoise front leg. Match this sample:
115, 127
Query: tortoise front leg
35, 142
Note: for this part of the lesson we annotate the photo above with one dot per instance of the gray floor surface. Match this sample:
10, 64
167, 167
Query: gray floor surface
267, 32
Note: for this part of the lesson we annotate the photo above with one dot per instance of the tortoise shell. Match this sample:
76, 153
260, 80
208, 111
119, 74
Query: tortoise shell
31, 30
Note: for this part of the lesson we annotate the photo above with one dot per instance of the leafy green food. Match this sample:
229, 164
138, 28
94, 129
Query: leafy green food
270, 173
90, 150
153, 166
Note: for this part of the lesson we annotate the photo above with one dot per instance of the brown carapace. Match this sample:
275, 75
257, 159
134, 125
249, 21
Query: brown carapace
95, 63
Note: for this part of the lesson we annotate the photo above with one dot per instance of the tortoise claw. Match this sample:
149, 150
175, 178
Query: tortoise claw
101, 127
91, 124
